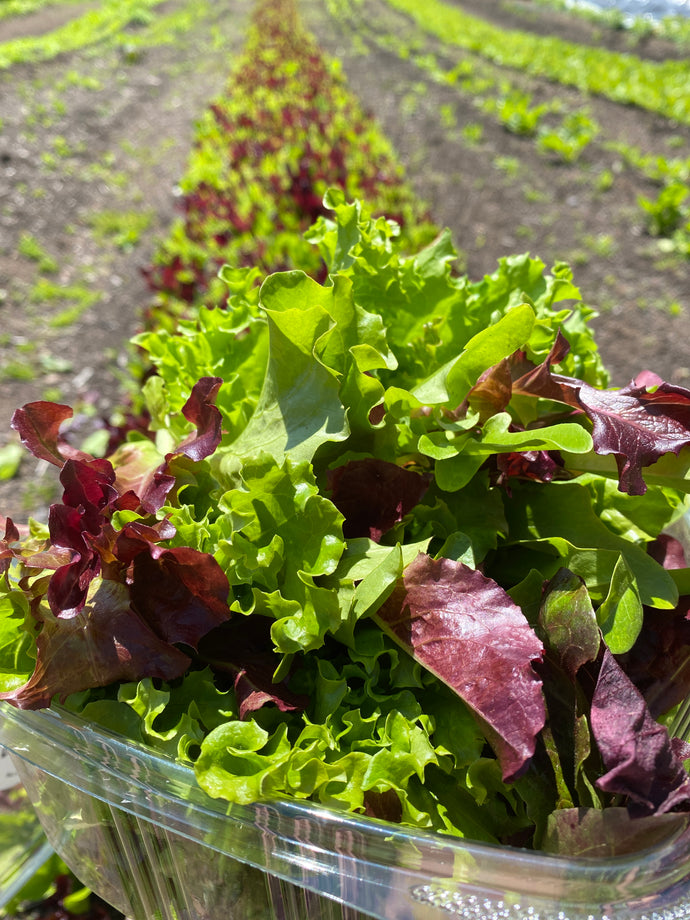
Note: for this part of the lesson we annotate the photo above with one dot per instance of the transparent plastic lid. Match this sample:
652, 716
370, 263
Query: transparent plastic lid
378, 869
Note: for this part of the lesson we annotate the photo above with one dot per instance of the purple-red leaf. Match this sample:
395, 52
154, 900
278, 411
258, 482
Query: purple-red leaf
88, 487
668, 552
639, 758
251, 697
537, 380
373, 495
386, 805
465, 629
636, 425
38, 425
201, 410
181, 593
137, 537
518, 375
107, 641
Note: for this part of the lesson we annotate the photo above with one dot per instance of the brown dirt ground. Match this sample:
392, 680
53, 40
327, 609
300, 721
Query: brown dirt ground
70, 149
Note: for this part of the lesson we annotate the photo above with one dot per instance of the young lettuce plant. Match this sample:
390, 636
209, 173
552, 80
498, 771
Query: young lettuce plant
410, 563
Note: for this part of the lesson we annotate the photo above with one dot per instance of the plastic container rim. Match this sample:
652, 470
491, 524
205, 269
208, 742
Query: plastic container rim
166, 789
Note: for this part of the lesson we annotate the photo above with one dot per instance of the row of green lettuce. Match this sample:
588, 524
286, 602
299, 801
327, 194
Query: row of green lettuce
561, 132
387, 543
675, 28
656, 86
109, 19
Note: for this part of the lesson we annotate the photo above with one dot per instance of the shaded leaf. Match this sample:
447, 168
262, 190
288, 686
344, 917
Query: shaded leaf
568, 621
373, 495
659, 662
243, 648
181, 593
637, 753
603, 833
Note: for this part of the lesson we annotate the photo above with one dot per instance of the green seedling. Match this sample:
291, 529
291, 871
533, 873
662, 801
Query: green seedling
123, 228
30, 248
666, 212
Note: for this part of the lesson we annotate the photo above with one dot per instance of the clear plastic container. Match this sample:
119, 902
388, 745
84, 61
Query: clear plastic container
23, 845
137, 830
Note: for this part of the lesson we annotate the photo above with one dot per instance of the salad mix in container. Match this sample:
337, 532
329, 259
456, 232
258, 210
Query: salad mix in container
390, 547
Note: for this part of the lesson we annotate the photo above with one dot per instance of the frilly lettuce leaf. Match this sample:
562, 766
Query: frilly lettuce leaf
276, 536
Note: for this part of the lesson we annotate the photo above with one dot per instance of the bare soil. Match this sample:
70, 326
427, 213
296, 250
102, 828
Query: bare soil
109, 130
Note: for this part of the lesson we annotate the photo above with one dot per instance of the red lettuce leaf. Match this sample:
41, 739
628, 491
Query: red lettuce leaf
492, 392
253, 691
201, 410
640, 760
466, 630
153, 482
181, 593
518, 375
88, 486
38, 425
77, 525
137, 536
538, 465
373, 495
385, 806
668, 552
106, 642
636, 425
70, 583
538, 380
